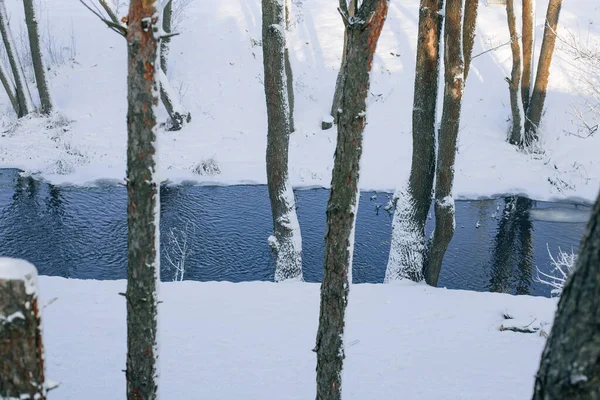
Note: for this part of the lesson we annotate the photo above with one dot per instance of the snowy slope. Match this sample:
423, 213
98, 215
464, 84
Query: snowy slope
216, 63
254, 340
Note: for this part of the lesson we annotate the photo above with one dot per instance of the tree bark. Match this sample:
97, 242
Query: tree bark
22, 93
286, 238
143, 261
453, 90
362, 32
469, 32
527, 41
516, 132
337, 95
407, 249
4, 78
36, 56
569, 368
21, 349
536, 105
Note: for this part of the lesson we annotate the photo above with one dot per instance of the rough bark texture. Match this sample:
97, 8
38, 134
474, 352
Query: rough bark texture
285, 241
339, 88
536, 105
408, 230
143, 201
21, 350
362, 33
453, 90
36, 56
527, 42
469, 32
15, 65
516, 132
570, 364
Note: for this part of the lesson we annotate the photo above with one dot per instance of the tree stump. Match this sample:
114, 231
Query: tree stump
21, 350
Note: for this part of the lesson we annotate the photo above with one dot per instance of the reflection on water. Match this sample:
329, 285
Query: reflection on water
82, 233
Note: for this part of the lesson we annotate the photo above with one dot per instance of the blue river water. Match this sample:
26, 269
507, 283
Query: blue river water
81, 232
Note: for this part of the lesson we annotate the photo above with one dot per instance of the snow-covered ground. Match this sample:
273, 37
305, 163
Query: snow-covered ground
217, 65
254, 340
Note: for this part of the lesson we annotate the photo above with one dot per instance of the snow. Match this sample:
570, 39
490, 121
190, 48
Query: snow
254, 340
223, 91
16, 269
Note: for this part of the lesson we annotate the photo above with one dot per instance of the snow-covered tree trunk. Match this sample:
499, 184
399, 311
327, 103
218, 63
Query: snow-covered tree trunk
285, 241
143, 260
363, 32
177, 113
22, 92
570, 367
339, 88
469, 32
527, 36
21, 349
36, 56
538, 97
453, 91
407, 249
514, 82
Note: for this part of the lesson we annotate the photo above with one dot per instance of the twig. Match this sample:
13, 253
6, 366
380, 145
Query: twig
491, 49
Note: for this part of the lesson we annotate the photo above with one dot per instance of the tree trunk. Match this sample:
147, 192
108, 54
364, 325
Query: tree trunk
362, 34
469, 32
285, 241
453, 90
143, 259
569, 368
21, 350
527, 41
36, 56
22, 93
4, 78
516, 105
536, 105
407, 249
110, 10
339, 88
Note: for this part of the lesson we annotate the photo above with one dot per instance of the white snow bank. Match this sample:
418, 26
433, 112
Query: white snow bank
224, 93
16, 269
254, 341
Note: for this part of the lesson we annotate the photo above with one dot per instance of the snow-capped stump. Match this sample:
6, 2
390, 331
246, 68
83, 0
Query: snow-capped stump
21, 350
326, 122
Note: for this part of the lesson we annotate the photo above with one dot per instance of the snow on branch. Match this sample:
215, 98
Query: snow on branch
563, 265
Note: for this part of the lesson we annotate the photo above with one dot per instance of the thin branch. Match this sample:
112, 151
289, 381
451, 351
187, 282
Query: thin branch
491, 49
115, 27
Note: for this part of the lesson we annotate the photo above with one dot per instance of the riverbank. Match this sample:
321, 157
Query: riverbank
254, 340
220, 80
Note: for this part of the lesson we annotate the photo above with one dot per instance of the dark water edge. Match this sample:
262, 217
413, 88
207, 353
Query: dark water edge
81, 232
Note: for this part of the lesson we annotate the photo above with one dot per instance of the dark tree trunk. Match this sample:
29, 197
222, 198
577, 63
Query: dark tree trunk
453, 90
527, 41
8, 87
143, 201
339, 83
570, 364
536, 105
469, 32
285, 241
164, 44
36, 56
21, 350
15, 65
516, 132
362, 34
407, 250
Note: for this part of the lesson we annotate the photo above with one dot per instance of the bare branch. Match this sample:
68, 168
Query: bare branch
492, 49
